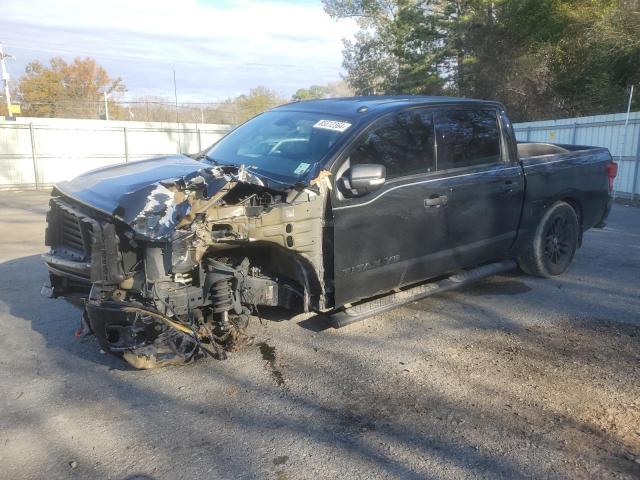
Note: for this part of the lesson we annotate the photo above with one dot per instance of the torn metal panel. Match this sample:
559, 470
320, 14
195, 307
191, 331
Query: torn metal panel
177, 265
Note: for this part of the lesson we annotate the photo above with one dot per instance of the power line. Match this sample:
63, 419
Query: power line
123, 102
192, 112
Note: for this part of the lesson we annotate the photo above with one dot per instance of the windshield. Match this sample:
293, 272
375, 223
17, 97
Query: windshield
281, 145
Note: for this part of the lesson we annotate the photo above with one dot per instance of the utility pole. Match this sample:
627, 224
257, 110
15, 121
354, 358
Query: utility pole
106, 107
175, 95
629, 105
5, 78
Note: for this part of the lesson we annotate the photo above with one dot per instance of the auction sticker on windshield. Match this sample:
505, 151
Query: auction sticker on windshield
303, 167
334, 125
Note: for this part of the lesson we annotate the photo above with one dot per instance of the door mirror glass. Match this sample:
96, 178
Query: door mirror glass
365, 178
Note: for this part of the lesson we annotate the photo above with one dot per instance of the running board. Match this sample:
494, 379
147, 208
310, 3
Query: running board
369, 308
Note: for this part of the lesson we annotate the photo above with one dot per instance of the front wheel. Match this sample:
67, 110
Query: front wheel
554, 244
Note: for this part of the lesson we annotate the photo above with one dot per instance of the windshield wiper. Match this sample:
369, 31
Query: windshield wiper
218, 163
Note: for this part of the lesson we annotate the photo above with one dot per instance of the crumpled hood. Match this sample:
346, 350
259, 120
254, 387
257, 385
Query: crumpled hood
107, 188
151, 196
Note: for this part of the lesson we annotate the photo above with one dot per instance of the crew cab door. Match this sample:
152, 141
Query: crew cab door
452, 199
382, 238
486, 183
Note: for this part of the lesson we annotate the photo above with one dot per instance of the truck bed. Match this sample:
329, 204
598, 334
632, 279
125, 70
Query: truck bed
573, 173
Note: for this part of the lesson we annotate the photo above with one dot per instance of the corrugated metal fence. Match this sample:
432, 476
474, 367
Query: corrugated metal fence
37, 153
40, 152
620, 136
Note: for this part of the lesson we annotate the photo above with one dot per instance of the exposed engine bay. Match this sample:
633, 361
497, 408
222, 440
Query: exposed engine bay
173, 271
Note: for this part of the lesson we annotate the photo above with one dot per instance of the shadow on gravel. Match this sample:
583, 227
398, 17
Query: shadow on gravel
55, 320
316, 323
469, 409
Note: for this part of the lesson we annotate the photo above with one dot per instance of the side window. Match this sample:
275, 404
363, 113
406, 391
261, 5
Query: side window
403, 143
467, 138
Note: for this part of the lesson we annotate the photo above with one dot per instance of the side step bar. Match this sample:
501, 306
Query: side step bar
369, 308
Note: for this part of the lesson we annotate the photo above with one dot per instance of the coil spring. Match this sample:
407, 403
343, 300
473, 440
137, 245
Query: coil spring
222, 296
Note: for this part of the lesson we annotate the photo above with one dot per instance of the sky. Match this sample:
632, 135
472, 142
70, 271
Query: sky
219, 49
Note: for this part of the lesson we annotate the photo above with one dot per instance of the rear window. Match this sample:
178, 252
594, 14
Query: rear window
466, 138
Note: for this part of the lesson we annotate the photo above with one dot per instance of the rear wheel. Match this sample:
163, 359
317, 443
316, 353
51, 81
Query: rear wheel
554, 244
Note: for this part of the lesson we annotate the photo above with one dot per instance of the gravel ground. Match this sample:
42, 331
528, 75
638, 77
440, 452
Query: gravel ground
515, 377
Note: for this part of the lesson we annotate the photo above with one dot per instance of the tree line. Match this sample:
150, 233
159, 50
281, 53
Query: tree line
541, 58
83, 89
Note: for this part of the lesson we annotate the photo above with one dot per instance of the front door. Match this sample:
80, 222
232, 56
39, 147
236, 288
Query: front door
380, 238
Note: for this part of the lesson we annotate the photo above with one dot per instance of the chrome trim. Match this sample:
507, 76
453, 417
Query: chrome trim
343, 207
547, 163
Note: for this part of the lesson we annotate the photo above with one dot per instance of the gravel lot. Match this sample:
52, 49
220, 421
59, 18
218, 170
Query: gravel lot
515, 377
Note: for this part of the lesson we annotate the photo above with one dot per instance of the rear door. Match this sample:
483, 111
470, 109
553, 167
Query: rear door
486, 183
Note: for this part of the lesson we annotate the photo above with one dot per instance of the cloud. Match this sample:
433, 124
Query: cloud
218, 49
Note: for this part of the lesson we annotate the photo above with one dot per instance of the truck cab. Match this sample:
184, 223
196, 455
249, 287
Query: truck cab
346, 207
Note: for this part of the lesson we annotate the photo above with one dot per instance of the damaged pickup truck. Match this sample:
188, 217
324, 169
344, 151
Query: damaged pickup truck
346, 207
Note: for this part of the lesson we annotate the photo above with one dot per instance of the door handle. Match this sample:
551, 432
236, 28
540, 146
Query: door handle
508, 186
436, 201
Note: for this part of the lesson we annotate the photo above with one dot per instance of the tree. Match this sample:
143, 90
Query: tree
397, 49
259, 99
339, 88
72, 90
230, 111
313, 92
330, 90
542, 58
599, 58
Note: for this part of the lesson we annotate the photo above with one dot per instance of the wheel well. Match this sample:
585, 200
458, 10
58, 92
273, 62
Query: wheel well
278, 261
575, 204
577, 207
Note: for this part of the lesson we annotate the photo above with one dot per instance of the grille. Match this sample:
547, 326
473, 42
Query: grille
71, 233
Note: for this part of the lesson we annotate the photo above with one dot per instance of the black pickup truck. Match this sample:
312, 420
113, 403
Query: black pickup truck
346, 207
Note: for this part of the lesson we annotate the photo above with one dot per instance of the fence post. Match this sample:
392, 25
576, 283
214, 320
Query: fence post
199, 139
574, 132
634, 187
126, 145
528, 134
34, 158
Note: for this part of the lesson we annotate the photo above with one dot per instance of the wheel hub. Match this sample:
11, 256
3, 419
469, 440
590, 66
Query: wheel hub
557, 248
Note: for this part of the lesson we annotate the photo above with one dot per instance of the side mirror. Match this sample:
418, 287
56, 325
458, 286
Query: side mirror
365, 178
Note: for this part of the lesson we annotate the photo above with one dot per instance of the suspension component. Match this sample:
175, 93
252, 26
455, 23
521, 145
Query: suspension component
221, 296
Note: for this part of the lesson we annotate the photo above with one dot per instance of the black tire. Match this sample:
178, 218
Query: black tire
554, 244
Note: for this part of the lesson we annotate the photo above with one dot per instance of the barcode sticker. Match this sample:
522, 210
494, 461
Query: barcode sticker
334, 125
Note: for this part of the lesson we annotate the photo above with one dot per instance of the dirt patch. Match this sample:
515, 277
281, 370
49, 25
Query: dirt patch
269, 355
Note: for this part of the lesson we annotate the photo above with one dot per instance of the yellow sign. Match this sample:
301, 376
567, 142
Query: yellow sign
552, 135
15, 110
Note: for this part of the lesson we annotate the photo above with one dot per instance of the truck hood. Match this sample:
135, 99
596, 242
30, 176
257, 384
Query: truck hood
154, 196
107, 188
